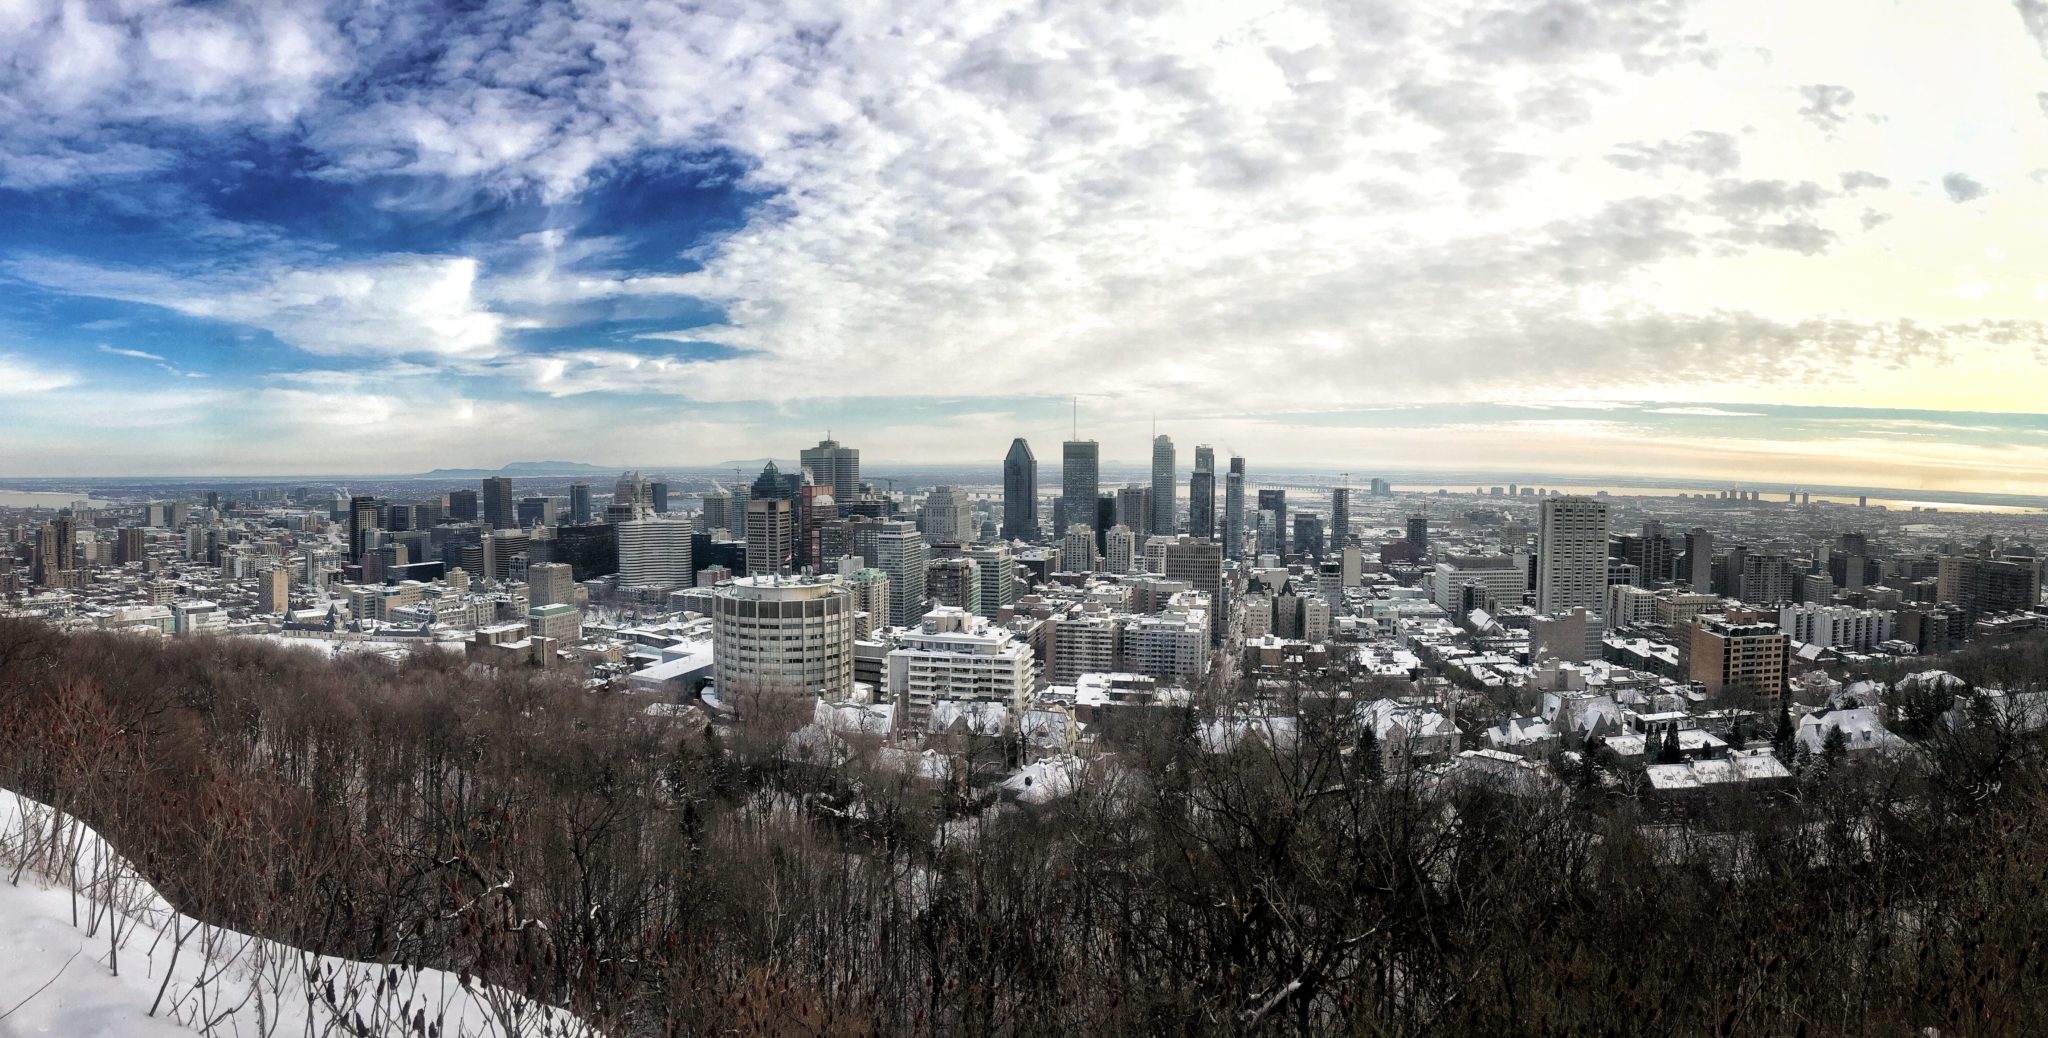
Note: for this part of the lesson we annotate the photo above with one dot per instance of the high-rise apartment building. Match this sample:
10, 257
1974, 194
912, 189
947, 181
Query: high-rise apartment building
1020, 492
953, 655
1164, 493
1122, 553
770, 535
500, 509
1739, 658
789, 635
1233, 510
655, 553
998, 571
1571, 555
1080, 483
833, 468
1202, 493
954, 582
901, 553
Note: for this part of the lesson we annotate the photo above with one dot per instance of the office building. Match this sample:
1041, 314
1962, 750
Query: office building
946, 517
770, 535
1020, 492
1080, 484
833, 468
463, 507
362, 526
655, 553
550, 583
1418, 531
1233, 510
717, 511
579, 502
657, 497
1308, 535
1202, 493
1163, 520
563, 623
1275, 501
1571, 555
790, 635
500, 509
1462, 583
132, 546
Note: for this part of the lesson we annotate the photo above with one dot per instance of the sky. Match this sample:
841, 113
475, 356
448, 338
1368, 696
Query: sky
1742, 240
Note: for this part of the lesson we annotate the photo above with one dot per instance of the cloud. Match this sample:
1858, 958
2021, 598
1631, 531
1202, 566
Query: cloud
1704, 412
1857, 180
391, 306
1713, 154
1961, 188
137, 354
20, 376
1825, 105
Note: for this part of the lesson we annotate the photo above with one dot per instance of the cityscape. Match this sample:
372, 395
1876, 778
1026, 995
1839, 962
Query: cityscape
1512, 517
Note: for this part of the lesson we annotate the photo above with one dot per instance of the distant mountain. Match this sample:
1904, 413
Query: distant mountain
755, 465
523, 468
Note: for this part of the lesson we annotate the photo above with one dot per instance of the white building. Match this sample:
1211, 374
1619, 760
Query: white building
652, 553
998, 577
1120, 553
901, 553
1630, 606
1077, 549
1084, 641
1836, 627
1171, 646
957, 656
194, 616
947, 518
787, 633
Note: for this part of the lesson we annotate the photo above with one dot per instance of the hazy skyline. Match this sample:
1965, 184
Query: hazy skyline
1716, 240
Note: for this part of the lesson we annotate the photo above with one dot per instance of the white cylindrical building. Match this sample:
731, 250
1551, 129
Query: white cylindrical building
790, 634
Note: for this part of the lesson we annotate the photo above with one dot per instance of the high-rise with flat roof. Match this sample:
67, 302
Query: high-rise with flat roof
1275, 501
656, 553
901, 553
771, 533
500, 509
1340, 519
1164, 493
1202, 493
782, 634
1571, 555
1080, 483
1233, 510
833, 467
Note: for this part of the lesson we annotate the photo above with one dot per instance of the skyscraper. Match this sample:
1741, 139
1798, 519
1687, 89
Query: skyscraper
1308, 535
1080, 484
717, 513
1571, 555
1275, 501
500, 511
1340, 519
1020, 492
901, 553
362, 521
833, 468
771, 531
1233, 509
1418, 530
657, 496
1699, 556
579, 502
1202, 493
1164, 493
946, 516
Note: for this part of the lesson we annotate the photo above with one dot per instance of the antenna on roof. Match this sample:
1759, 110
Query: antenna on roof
1077, 417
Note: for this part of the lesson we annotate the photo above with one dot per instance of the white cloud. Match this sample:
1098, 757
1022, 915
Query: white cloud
391, 306
20, 377
1704, 412
137, 354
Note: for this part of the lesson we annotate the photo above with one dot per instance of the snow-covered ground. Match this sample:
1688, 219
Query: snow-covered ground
89, 950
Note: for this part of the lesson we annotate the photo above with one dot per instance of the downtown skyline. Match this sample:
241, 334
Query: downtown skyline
1562, 238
